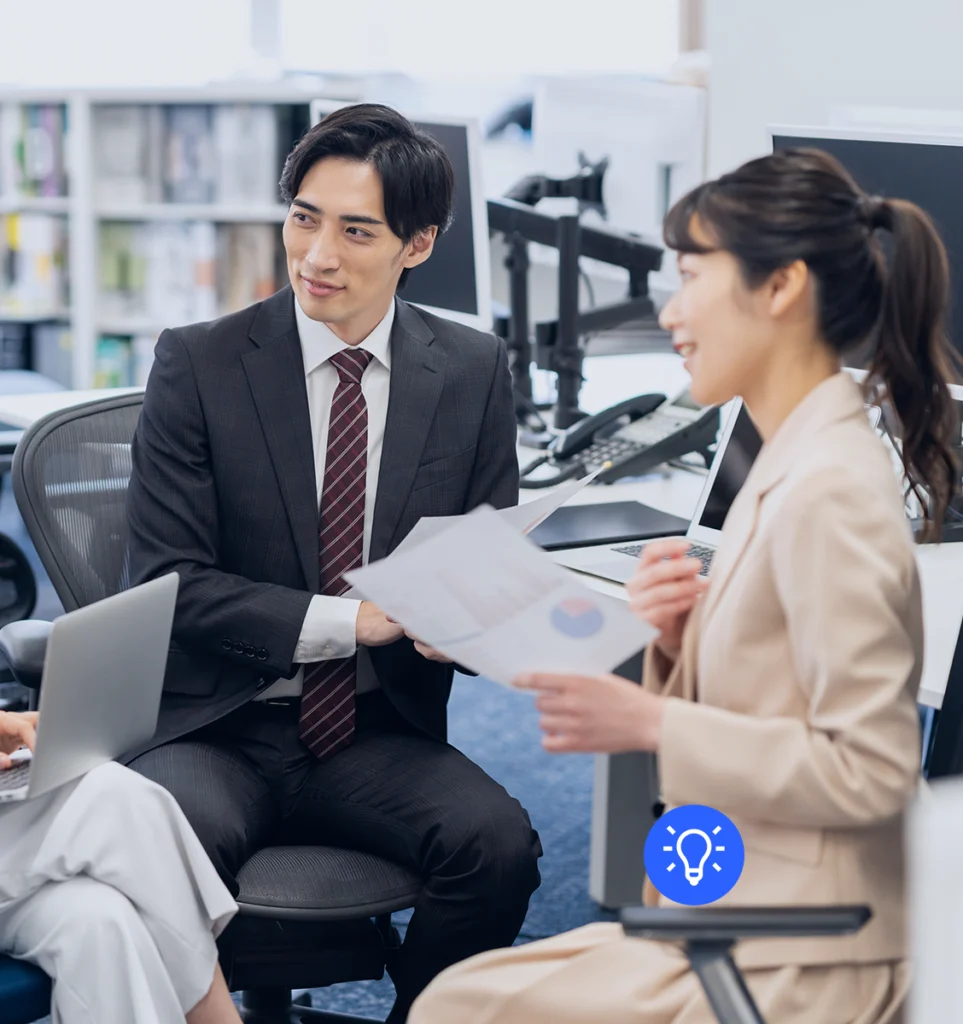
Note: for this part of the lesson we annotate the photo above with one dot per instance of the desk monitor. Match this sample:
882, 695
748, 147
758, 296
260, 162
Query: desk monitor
456, 281
926, 169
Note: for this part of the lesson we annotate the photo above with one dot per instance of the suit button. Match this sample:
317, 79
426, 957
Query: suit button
248, 650
226, 644
261, 654
238, 647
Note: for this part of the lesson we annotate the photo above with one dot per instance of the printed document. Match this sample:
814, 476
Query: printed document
489, 599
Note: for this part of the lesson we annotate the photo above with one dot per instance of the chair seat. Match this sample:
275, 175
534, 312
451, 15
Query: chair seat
323, 883
24, 992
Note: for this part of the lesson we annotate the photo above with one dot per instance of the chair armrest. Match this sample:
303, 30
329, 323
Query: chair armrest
729, 924
24, 645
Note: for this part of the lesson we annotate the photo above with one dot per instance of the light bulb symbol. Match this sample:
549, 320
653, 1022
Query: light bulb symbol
694, 871
693, 874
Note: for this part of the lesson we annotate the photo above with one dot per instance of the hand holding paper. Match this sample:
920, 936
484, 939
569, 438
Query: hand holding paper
485, 597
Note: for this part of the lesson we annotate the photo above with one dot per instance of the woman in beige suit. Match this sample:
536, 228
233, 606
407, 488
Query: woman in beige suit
782, 693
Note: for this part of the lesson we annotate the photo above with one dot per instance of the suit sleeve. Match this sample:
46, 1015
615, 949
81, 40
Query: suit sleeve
494, 479
173, 516
846, 579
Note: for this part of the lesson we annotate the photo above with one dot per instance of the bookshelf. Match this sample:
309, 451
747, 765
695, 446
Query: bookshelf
156, 207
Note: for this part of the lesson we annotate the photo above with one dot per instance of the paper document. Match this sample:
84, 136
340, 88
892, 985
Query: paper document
486, 597
524, 517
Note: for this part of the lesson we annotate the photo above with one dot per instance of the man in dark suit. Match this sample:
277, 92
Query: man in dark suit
280, 447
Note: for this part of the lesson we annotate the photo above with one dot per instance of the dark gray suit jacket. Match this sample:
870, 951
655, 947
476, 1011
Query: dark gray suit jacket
223, 492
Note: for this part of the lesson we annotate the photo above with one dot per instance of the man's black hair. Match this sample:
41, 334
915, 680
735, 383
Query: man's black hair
416, 174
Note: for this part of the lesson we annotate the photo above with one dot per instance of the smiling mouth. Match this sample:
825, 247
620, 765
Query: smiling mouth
321, 289
685, 349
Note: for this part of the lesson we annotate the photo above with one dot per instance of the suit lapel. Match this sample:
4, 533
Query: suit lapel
275, 374
417, 379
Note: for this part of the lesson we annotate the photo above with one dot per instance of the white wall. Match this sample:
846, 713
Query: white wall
776, 62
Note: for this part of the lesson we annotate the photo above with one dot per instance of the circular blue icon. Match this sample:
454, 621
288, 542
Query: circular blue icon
576, 617
694, 855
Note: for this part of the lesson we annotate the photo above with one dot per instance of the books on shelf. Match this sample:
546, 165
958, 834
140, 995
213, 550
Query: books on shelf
169, 273
231, 153
33, 263
123, 361
33, 149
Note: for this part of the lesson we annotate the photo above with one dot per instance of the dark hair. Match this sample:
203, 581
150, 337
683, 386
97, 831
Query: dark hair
416, 174
801, 204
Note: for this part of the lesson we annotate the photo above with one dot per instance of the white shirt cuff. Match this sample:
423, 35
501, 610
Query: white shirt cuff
329, 630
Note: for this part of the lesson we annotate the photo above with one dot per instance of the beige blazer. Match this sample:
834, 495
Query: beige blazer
793, 702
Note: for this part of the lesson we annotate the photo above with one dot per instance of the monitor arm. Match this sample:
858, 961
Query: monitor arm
557, 342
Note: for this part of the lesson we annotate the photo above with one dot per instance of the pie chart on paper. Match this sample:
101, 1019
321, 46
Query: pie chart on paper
577, 617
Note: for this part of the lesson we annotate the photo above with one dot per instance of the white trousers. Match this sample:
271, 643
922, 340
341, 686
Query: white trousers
104, 885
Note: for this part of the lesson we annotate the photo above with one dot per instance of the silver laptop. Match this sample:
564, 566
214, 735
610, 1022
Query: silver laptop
102, 680
735, 454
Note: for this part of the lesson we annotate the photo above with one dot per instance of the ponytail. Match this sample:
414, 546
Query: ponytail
913, 359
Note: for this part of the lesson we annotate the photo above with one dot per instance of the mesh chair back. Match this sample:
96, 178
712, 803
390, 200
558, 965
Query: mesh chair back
70, 475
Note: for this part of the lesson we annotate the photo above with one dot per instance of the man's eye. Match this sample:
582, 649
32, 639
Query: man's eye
359, 233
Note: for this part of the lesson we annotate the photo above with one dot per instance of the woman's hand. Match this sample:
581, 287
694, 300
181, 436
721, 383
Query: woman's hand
16, 730
595, 714
664, 590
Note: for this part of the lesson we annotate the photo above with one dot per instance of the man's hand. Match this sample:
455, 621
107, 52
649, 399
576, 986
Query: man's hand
427, 652
16, 730
374, 628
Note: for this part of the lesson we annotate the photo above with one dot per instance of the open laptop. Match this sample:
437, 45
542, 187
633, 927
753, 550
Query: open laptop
735, 453
102, 680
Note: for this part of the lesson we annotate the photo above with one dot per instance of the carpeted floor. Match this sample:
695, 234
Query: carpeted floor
497, 728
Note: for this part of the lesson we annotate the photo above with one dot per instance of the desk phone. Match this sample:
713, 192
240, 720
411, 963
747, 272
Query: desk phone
631, 437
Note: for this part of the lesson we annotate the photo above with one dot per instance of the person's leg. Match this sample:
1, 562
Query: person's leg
105, 966
224, 794
216, 1007
423, 804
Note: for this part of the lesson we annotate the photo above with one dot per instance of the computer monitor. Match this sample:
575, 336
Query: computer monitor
927, 169
653, 134
456, 281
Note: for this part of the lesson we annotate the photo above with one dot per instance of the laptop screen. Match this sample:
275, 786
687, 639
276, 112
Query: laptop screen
737, 459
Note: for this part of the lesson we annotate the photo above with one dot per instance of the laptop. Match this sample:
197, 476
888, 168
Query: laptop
735, 453
101, 689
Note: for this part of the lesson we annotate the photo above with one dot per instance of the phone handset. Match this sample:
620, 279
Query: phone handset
583, 433
563, 450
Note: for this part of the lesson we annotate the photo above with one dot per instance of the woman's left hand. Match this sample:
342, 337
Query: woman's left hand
595, 714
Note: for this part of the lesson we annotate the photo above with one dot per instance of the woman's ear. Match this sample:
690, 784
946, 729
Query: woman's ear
787, 287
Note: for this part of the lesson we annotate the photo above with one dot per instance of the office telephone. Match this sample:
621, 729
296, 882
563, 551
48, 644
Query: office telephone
628, 439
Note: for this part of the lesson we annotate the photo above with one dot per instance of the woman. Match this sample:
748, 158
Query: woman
104, 885
783, 693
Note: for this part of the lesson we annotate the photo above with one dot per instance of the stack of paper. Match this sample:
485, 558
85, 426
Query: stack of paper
486, 597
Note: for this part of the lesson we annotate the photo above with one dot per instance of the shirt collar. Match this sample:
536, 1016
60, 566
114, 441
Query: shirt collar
319, 343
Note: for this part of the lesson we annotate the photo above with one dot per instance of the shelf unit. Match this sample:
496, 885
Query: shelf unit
85, 214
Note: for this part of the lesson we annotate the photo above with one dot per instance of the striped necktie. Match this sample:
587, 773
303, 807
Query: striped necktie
326, 721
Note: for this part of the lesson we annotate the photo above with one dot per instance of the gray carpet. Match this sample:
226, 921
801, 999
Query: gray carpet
498, 729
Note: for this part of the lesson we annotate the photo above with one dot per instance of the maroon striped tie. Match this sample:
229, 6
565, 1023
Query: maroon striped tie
326, 723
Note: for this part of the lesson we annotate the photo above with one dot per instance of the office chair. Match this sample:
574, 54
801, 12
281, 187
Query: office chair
309, 916
24, 992
709, 933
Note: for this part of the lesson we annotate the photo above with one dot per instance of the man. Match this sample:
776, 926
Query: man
290, 712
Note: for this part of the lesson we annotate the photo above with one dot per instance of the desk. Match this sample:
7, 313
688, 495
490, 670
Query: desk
23, 409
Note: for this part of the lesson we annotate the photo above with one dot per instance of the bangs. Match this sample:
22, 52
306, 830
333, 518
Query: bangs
677, 229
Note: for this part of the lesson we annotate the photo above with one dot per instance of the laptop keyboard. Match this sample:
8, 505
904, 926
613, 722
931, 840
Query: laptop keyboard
699, 551
15, 777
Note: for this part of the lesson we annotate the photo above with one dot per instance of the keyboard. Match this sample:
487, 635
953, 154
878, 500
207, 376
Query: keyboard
15, 777
699, 551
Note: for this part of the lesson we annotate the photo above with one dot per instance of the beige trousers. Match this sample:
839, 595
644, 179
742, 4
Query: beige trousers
595, 975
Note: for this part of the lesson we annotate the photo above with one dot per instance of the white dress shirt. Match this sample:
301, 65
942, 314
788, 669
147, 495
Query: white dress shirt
329, 629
